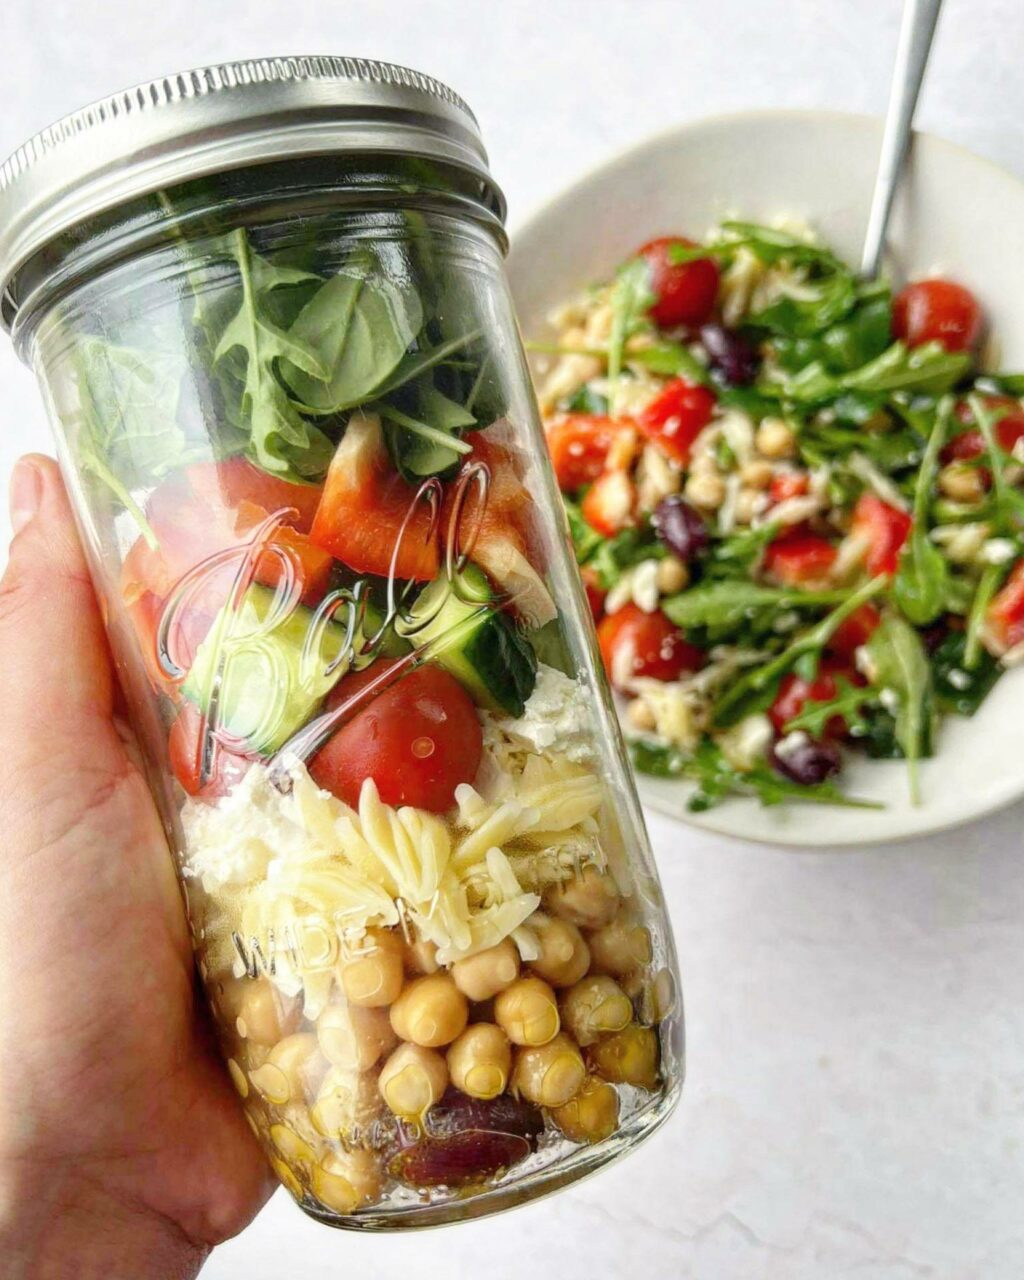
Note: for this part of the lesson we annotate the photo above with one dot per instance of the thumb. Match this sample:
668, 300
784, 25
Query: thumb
57, 680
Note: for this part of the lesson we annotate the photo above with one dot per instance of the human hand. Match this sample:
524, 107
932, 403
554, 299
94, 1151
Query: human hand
123, 1151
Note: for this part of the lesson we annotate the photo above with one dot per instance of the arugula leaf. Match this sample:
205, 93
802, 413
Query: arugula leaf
717, 779
849, 703
731, 603
627, 548
1007, 503
739, 554
586, 400
988, 584
424, 441
127, 432
672, 360
959, 687
585, 538
280, 440
921, 583
755, 689
927, 369
631, 297
901, 665
358, 326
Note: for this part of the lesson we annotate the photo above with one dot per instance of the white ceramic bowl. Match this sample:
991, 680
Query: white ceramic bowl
957, 214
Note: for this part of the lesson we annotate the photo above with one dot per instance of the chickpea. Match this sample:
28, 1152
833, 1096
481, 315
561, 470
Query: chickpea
705, 489
527, 1012
480, 1060
412, 1080
347, 1106
371, 974
262, 1014
345, 1180
421, 957
671, 576
294, 1150
628, 1057
549, 1074
592, 1115
354, 1038
564, 956
285, 1176
962, 483
594, 1007
300, 1062
757, 474
619, 948
482, 976
775, 438
431, 1011
589, 900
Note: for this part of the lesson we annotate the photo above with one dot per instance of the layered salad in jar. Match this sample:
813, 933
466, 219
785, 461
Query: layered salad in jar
431, 960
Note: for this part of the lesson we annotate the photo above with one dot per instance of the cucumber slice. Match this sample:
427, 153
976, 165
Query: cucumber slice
475, 642
274, 677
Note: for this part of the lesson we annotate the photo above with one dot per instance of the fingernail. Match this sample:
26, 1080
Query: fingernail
26, 493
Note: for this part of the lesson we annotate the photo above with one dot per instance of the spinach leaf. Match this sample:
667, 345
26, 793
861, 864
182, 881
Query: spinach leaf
755, 689
280, 440
901, 666
961, 688
731, 603
717, 779
921, 583
127, 433
358, 326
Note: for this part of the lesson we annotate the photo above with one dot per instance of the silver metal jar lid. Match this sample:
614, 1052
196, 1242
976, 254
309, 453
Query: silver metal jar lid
224, 117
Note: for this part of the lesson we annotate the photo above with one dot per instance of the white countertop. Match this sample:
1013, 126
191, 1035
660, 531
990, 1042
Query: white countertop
855, 1099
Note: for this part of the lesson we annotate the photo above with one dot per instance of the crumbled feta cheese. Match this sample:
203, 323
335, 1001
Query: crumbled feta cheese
791, 745
746, 743
998, 551
959, 679
864, 662
555, 718
890, 699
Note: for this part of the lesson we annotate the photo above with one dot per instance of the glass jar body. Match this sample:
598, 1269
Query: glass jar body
305, 459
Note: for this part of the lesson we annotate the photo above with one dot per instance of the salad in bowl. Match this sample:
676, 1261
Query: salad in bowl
796, 501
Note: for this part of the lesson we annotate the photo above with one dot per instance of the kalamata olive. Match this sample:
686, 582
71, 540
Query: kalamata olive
805, 760
731, 355
680, 527
933, 636
464, 1140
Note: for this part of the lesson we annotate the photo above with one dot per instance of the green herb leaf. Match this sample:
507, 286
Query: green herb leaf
585, 538
631, 298
731, 603
613, 555
988, 584
901, 665
928, 369
849, 703
921, 583
1007, 504
959, 687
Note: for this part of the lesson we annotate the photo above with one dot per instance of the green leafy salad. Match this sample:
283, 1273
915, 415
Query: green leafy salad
797, 501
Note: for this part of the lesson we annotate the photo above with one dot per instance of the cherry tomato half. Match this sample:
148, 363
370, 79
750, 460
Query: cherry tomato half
635, 643
595, 592
676, 417
788, 484
937, 311
795, 692
418, 740
579, 444
856, 630
884, 528
684, 292
1005, 617
183, 748
799, 558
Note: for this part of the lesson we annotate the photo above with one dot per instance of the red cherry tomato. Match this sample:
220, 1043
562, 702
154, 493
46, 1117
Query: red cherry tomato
609, 503
676, 417
788, 484
795, 692
937, 311
856, 630
884, 528
1005, 617
635, 643
183, 749
595, 592
799, 558
970, 444
418, 740
579, 444
684, 292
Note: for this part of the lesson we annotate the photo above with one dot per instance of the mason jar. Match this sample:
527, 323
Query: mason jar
266, 306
